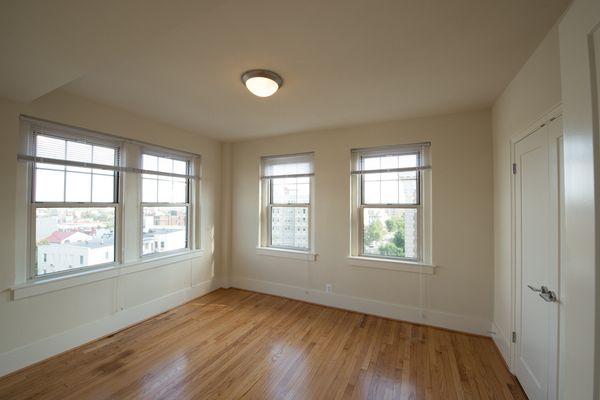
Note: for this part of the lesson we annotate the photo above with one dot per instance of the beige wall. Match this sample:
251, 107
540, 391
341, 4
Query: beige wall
461, 211
27, 321
533, 92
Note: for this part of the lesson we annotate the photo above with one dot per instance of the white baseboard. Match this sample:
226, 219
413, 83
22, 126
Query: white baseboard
502, 343
457, 322
31, 353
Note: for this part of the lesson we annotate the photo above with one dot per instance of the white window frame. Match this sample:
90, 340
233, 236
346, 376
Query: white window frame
189, 204
70, 134
266, 196
422, 205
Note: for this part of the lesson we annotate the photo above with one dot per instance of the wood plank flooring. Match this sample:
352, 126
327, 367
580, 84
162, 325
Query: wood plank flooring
235, 344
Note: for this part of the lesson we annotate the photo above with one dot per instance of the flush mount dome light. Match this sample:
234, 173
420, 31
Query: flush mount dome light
262, 83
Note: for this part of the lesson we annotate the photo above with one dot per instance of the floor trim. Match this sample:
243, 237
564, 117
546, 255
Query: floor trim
21, 357
436, 318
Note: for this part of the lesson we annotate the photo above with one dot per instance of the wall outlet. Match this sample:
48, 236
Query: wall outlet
328, 288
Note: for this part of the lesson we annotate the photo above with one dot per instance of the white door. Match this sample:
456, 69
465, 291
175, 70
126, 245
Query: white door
537, 226
579, 33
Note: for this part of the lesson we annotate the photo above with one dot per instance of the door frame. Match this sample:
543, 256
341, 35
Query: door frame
550, 115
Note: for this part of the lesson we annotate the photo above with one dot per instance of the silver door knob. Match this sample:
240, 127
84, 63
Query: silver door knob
545, 293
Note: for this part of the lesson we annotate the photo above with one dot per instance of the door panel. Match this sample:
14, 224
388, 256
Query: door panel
532, 210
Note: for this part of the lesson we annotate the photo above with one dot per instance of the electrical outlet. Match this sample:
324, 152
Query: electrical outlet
328, 288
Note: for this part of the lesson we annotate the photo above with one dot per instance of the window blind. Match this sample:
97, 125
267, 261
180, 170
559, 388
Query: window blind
400, 158
289, 166
55, 144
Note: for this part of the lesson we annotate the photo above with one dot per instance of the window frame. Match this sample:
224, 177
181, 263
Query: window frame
127, 203
422, 204
267, 205
189, 204
32, 205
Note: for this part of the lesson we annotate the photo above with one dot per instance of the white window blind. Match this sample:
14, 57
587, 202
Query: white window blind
404, 158
55, 144
292, 166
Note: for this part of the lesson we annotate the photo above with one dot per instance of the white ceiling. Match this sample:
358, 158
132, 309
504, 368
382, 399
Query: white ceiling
342, 61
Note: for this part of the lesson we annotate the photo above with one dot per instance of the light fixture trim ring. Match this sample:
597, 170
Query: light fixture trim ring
262, 73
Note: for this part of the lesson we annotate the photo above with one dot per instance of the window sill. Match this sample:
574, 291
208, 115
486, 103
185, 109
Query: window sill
294, 254
43, 285
393, 265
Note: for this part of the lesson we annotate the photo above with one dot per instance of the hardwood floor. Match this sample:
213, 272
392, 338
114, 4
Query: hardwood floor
234, 344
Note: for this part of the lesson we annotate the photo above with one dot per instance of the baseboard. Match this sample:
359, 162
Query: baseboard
34, 352
441, 319
502, 343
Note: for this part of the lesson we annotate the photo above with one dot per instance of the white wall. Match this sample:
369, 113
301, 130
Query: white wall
458, 296
533, 92
36, 327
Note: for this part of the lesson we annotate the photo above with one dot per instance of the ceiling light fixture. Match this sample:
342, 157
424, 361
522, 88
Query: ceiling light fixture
262, 83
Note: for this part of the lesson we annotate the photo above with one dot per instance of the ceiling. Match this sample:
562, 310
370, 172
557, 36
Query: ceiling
342, 61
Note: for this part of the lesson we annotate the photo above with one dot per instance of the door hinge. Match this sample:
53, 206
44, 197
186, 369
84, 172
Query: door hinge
514, 337
514, 168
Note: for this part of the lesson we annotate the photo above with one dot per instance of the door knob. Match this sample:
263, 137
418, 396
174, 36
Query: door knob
545, 293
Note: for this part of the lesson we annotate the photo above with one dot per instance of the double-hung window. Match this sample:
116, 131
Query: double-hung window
390, 202
96, 200
165, 203
74, 201
287, 197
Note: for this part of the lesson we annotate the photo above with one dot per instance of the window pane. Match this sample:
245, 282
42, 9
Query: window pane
164, 229
390, 161
103, 155
290, 190
165, 164
149, 189
68, 238
390, 232
103, 187
50, 147
180, 167
79, 187
79, 152
165, 189
179, 190
371, 192
149, 162
49, 185
390, 188
289, 227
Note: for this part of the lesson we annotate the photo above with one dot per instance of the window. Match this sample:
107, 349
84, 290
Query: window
390, 202
165, 203
74, 179
74, 202
286, 196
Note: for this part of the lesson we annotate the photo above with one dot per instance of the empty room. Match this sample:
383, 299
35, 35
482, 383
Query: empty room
277, 199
